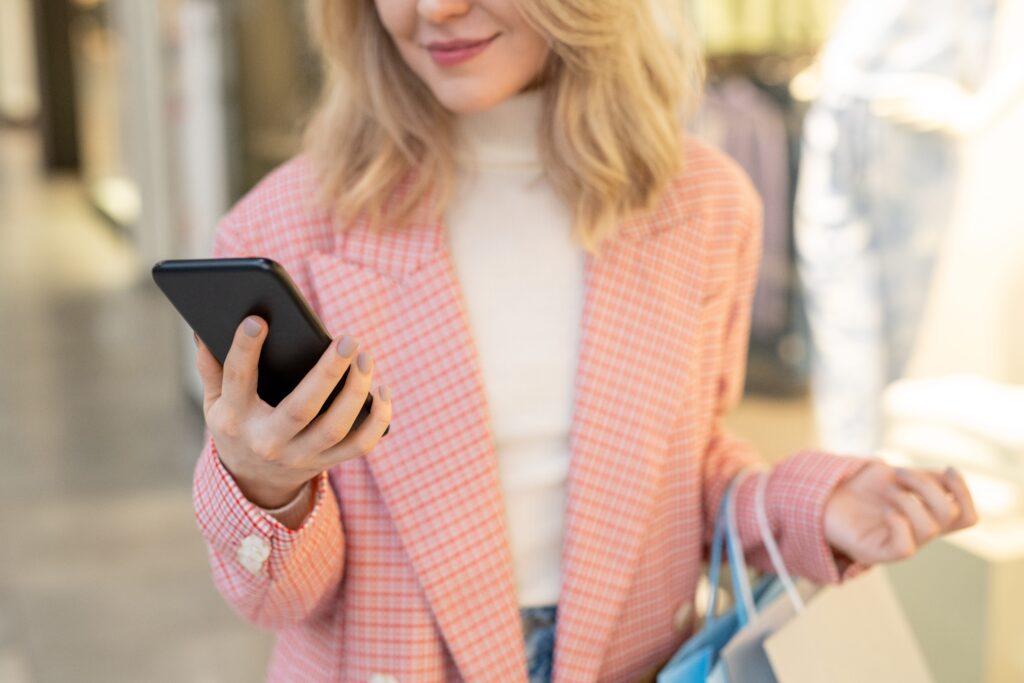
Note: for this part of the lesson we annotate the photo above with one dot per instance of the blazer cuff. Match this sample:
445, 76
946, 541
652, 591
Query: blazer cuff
798, 491
291, 505
236, 527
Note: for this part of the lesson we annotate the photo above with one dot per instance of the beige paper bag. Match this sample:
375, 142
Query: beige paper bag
744, 657
849, 634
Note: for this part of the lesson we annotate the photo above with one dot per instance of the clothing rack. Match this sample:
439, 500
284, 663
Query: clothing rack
759, 124
765, 27
771, 70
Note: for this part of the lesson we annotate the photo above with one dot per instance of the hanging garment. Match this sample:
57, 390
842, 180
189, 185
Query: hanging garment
759, 129
873, 203
745, 123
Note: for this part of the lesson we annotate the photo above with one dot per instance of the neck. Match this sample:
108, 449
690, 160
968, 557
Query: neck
504, 136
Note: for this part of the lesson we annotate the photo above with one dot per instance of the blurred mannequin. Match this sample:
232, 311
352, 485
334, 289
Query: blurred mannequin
874, 201
963, 397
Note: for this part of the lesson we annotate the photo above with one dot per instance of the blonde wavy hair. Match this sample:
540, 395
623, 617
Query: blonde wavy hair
620, 79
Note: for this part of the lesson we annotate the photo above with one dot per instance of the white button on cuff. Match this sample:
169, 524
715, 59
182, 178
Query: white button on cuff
253, 552
383, 678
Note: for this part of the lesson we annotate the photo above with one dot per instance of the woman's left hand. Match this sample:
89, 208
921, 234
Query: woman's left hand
884, 514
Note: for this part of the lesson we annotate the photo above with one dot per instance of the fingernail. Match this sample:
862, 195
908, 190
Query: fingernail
346, 346
363, 361
251, 327
902, 471
195, 339
952, 472
385, 394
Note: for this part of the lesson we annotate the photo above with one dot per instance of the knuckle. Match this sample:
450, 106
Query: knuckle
335, 427
340, 413
235, 372
337, 431
231, 427
240, 346
225, 420
330, 372
929, 529
352, 393
266, 451
950, 514
300, 414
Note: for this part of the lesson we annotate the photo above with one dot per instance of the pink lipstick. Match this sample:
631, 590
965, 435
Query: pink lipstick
454, 52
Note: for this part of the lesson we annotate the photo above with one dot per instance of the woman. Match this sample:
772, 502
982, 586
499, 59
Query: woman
497, 206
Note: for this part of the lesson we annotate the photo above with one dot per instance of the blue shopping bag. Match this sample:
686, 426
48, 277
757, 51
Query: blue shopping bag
697, 661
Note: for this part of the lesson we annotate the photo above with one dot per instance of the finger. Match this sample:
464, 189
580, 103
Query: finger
210, 374
303, 404
928, 485
242, 361
958, 487
334, 424
364, 439
901, 542
925, 526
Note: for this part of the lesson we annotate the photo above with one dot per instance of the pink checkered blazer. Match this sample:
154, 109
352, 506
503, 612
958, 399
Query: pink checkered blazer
403, 570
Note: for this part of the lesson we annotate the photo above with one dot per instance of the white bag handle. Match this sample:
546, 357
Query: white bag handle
771, 546
767, 538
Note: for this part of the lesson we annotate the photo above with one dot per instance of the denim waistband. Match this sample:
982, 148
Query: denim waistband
539, 637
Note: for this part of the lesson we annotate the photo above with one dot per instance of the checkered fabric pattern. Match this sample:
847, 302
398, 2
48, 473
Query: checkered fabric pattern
403, 570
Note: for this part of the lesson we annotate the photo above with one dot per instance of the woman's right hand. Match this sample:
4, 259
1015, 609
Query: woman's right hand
272, 452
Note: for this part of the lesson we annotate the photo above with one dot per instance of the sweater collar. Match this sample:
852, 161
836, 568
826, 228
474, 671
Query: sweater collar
504, 136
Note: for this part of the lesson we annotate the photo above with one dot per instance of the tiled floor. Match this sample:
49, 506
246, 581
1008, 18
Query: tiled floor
103, 575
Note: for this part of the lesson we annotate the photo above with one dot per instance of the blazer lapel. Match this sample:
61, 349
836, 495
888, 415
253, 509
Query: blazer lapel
436, 471
639, 325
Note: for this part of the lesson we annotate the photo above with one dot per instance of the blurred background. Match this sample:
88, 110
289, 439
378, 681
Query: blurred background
885, 139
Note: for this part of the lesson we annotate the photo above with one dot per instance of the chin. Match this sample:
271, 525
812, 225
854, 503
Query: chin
467, 98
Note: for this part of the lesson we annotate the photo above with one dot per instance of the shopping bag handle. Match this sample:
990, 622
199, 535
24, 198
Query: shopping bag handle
718, 540
746, 608
768, 539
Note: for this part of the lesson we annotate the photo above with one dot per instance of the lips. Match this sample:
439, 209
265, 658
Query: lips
452, 52
453, 45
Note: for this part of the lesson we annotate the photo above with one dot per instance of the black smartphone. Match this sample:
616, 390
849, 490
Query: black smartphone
215, 295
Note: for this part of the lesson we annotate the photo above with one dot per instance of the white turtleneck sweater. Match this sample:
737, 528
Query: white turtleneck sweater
521, 278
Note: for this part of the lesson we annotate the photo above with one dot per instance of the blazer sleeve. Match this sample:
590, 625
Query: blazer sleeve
799, 486
271, 576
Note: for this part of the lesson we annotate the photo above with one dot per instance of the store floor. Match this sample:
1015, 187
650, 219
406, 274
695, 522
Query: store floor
103, 574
